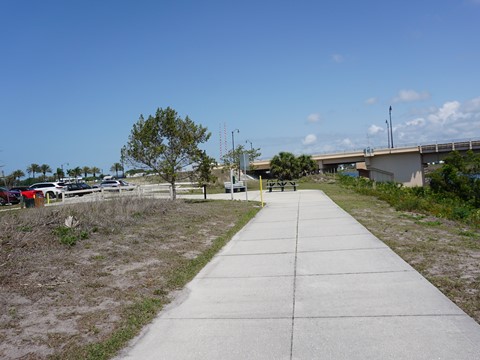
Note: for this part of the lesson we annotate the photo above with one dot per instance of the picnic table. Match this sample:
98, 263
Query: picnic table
281, 184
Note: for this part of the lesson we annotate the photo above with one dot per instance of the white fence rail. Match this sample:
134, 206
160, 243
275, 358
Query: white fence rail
103, 193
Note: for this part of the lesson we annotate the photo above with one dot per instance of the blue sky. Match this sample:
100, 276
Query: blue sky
301, 76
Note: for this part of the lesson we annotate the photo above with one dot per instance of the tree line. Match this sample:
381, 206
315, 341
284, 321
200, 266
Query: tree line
33, 170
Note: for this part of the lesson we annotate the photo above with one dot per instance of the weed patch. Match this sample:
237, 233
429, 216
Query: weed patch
69, 236
429, 223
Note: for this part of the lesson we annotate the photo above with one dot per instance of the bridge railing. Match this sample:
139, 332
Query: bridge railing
447, 147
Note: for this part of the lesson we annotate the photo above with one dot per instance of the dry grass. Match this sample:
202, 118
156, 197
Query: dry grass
57, 299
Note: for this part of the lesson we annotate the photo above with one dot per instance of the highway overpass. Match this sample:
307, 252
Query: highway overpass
401, 164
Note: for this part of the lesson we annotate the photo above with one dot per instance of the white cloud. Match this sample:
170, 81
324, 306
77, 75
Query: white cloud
416, 122
449, 111
310, 139
313, 118
347, 142
337, 58
371, 101
374, 129
410, 95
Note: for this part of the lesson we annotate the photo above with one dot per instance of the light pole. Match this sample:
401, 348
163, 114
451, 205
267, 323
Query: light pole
251, 146
391, 129
388, 133
233, 150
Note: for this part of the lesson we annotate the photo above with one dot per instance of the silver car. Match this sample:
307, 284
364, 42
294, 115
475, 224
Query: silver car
116, 184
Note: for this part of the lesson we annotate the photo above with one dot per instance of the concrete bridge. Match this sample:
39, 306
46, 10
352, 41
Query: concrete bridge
401, 164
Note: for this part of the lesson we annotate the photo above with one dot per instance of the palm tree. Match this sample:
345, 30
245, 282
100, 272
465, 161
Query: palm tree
116, 167
17, 174
94, 171
44, 168
60, 173
33, 168
284, 166
86, 170
307, 165
77, 172
8, 181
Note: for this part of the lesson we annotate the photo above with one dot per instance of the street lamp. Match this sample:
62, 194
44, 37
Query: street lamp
250, 156
63, 172
388, 133
391, 129
233, 150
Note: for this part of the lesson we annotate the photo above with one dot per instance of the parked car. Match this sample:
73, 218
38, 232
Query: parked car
26, 192
85, 186
8, 197
116, 184
77, 187
51, 189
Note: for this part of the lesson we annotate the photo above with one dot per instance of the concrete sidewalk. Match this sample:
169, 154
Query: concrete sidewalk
304, 280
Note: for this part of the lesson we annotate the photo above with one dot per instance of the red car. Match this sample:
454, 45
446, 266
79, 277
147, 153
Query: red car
8, 197
27, 193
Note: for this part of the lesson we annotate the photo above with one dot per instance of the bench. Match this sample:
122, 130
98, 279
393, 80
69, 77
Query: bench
238, 186
280, 184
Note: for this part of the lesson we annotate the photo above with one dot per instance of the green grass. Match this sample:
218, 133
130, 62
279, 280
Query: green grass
429, 223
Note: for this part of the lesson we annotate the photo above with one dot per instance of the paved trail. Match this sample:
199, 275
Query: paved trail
304, 280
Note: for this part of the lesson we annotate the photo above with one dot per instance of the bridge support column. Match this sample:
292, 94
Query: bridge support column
406, 168
320, 166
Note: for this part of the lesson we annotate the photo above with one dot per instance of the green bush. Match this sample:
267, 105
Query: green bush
417, 199
408, 203
69, 236
460, 213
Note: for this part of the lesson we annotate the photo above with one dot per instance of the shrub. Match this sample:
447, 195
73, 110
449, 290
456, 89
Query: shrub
460, 212
417, 199
408, 203
66, 235
69, 236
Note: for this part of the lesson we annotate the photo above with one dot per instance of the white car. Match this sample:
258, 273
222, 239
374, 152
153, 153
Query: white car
116, 184
51, 189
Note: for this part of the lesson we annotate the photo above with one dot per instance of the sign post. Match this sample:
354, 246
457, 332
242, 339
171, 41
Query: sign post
231, 183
